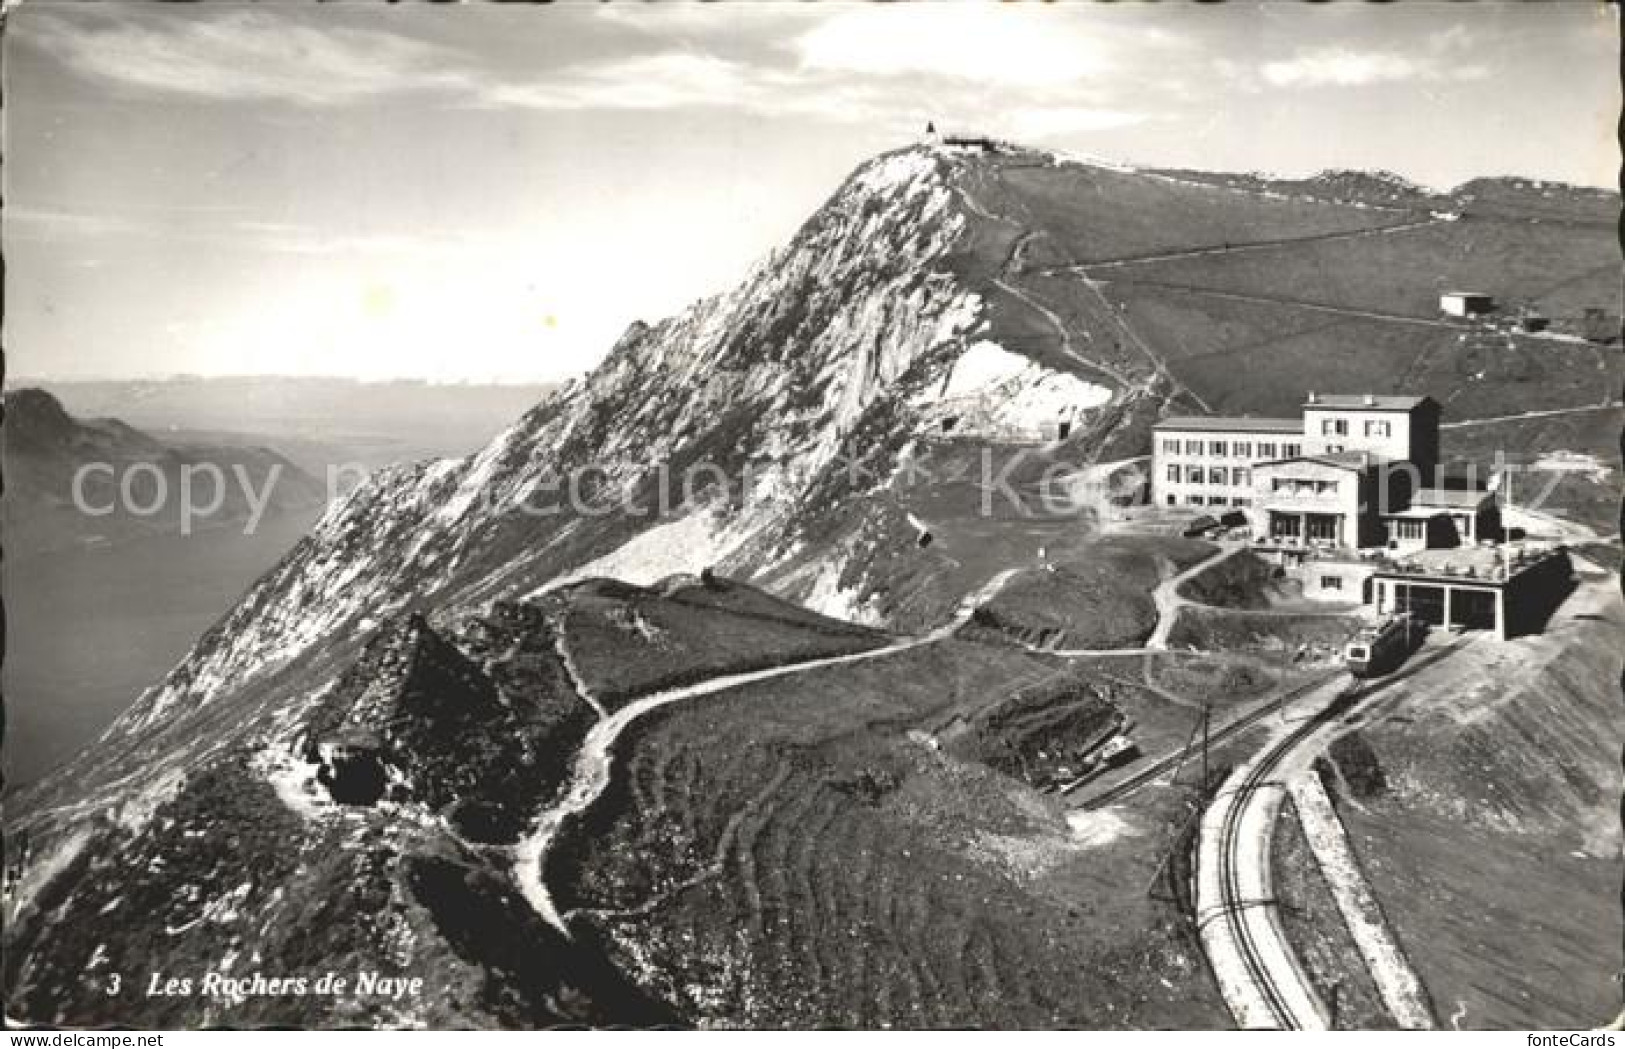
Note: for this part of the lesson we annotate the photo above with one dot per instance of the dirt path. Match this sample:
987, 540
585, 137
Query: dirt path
595, 758
1539, 523
1085, 272
1158, 365
1026, 298
1065, 336
1249, 246
555, 625
1282, 300
1169, 602
1609, 404
1166, 596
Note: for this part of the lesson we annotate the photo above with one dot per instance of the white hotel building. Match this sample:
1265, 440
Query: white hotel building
1208, 461
1347, 498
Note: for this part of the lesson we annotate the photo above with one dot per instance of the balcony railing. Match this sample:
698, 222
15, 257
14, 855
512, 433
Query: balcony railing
1313, 548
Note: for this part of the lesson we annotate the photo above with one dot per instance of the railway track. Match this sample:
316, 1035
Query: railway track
1235, 901
1219, 735
1270, 985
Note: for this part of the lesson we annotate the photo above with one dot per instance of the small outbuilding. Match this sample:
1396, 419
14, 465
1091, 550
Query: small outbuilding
1466, 303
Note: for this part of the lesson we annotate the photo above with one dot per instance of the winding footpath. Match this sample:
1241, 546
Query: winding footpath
1168, 599
1243, 247
595, 758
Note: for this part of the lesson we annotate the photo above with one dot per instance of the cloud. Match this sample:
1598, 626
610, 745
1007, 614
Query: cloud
243, 54
258, 55
681, 80
659, 81
1045, 121
312, 241
35, 223
687, 17
992, 45
1340, 67
882, 63
56, 226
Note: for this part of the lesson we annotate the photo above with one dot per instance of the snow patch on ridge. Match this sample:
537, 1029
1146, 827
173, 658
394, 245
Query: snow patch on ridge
998, 393
827, 597
685, 545
1563, 461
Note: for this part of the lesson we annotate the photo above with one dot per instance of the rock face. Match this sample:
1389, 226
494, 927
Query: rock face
364, 827
336, 776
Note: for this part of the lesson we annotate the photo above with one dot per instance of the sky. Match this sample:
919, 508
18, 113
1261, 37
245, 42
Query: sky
483, 192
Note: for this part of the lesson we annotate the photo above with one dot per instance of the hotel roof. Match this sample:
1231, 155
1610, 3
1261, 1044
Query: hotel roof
1230, 424
1342, 460
1377, 402
1451, 498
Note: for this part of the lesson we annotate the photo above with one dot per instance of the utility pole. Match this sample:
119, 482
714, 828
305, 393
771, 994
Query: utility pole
1207, 709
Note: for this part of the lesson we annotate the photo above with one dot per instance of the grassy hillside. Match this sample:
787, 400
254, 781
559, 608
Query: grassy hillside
1241, 289
1555, 267
1568, 463
1236, 294
688, 633
1504, 780
1095, 214
805, 855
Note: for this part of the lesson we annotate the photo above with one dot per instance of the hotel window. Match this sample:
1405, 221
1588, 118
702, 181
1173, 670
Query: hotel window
1173, 473
1379, 428
1334, 427
1241, 475
1322, 527
1196, 475
1242, 500
1217, 475
1243, 449
1333, 449
1170, 445
1266, 450
1216, 448
1291, 451
1193, 447
1331, 582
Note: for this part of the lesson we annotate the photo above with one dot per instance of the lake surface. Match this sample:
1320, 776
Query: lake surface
88, 631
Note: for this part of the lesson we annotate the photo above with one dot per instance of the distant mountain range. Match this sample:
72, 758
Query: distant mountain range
314, 421
355, 763
130, 483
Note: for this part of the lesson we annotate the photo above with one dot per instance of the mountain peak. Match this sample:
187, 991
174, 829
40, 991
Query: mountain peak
34, 414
